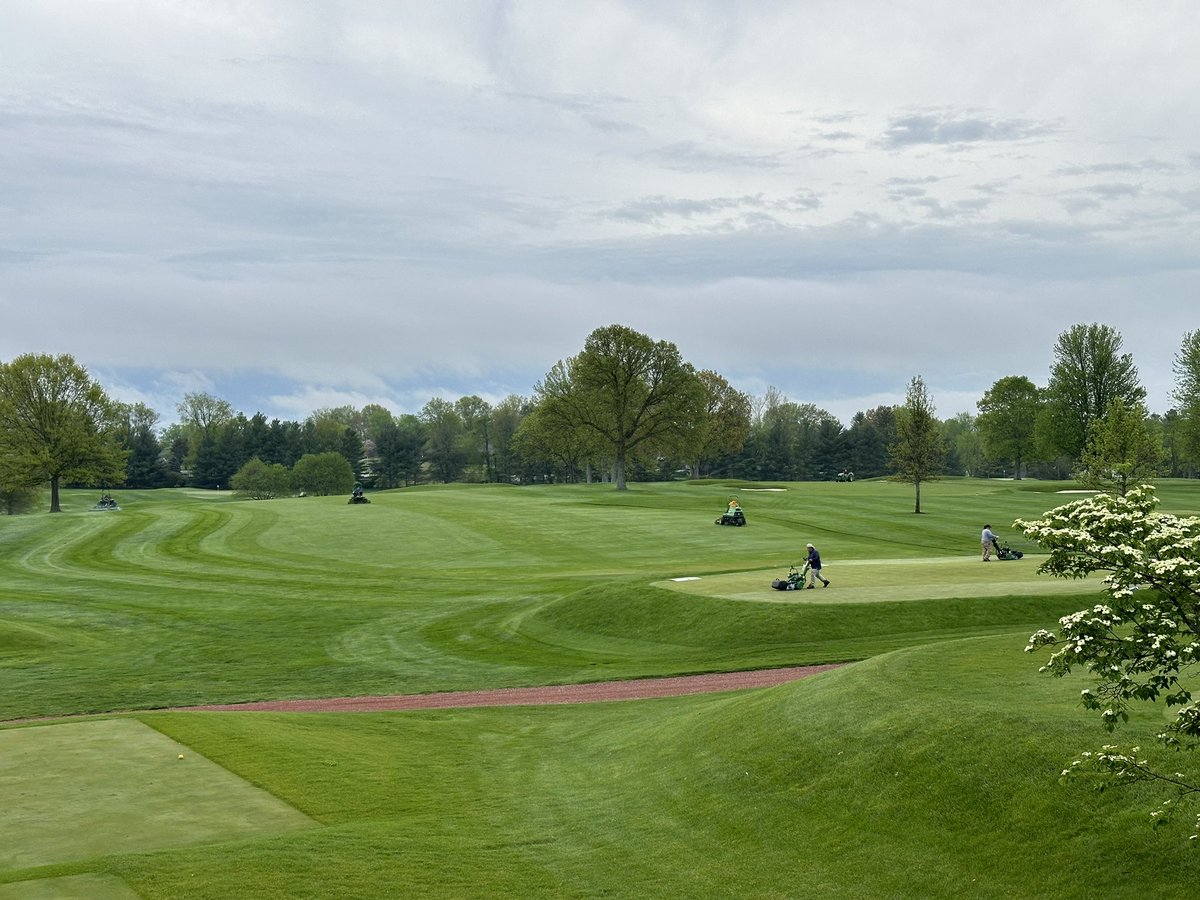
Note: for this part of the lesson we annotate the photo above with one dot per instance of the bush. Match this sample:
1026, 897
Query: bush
322, 474
260, 481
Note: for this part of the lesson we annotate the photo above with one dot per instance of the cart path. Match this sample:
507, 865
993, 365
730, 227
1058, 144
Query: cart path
590, 692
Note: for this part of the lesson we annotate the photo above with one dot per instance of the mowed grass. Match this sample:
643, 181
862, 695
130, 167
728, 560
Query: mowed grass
185, 597
926, 769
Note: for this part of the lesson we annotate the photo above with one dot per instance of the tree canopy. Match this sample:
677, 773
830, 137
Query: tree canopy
629, 393
57, 425
1089, 371
630, 407
321, 474
1007, 419
1121, 450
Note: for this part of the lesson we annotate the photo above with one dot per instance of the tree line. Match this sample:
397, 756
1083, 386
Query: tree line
626, 407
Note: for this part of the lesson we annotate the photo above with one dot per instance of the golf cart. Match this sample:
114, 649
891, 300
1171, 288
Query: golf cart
733, 515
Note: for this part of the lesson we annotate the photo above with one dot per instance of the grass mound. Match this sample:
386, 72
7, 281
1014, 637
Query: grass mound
927, 772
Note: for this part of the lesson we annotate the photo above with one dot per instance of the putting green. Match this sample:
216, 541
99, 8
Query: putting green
82, 789
874, 580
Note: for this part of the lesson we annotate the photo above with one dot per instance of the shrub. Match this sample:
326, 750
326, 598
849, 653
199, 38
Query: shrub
260, 481
322, 474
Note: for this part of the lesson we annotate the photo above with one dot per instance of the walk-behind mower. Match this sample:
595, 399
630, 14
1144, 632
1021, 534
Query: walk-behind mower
1003, 551
794, 580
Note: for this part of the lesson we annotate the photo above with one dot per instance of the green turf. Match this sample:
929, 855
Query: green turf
926, 770
185, 597
911, 775
82, 789
69, 887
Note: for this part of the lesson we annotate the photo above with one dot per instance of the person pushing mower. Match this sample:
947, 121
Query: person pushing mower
814, 568
987, 540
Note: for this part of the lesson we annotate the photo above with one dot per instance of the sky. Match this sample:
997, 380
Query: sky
295, 206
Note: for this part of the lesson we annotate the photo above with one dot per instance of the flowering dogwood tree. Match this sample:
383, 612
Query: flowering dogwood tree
1143, 644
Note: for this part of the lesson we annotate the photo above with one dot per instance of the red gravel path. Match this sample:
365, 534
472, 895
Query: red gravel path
594, 692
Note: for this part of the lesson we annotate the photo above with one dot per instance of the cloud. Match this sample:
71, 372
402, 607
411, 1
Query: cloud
949, 130
653, 209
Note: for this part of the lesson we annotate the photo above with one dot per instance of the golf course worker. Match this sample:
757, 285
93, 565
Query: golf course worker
988, 541
814, 568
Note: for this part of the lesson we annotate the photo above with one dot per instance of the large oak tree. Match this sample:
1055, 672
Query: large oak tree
628, 393
57, 425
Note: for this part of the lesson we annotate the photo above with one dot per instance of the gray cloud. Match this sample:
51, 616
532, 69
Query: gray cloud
947, 130
653, 209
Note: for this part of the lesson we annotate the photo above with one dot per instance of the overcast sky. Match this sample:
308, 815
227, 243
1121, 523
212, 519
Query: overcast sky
303, 205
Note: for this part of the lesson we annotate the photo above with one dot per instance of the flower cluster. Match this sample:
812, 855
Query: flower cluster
1141, 643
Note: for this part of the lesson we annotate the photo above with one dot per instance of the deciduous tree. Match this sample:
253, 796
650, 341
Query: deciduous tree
1008, 413
1088, 372
1143, 644
1186, 394
57, 425
443, 433
17, 493
918, 450
261, 481
476, 415
629, 393
726, 422
145, 466
322, 474
1121, 450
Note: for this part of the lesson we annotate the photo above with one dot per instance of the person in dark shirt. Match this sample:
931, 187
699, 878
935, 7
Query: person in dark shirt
814, 568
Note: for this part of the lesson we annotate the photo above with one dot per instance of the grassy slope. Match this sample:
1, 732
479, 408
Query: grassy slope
926, 772
911, 775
